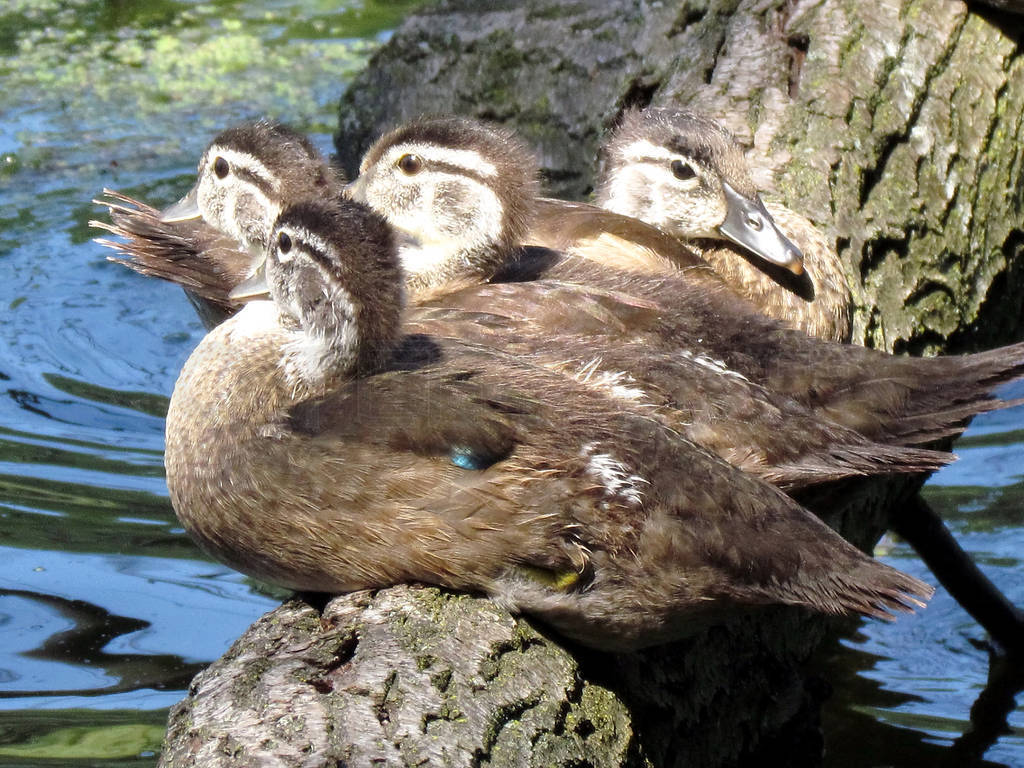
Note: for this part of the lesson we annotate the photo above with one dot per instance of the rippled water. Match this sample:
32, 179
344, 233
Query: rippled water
106, 608
904, 692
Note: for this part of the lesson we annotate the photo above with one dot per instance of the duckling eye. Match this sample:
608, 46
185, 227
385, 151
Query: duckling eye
410, 164
682, 170
221, 167
284, 243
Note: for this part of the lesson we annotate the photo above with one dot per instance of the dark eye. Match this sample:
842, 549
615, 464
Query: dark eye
284, 243
682, 170
410, 164
220, 167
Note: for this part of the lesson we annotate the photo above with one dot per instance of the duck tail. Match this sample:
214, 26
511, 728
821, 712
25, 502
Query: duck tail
963, 387
770, 550
868, 588
188, 253
843, 461
829, 575
917, 401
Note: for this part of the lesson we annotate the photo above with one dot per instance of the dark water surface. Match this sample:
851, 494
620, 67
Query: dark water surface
106, 608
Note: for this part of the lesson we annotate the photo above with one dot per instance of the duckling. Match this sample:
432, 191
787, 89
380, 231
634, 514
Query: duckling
312, 443
684, 173
902, 416
688, 314
458, 190
686, 311
888, 399
249, 168
463, 193
760, 432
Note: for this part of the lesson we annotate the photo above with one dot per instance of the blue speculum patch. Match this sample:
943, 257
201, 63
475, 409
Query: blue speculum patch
465, 458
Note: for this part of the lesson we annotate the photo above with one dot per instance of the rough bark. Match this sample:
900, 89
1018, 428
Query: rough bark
895, 128
414, 676
405, 676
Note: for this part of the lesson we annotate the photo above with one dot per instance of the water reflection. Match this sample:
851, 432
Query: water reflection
82, 644
107, 610
928, 690
867, 723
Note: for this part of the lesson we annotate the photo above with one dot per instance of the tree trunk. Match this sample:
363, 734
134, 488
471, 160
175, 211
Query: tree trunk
894, 125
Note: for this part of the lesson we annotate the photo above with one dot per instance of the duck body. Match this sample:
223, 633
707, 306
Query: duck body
698, 315
759, 404
692, 314
682, 172
755, 429
584, 332
300, 461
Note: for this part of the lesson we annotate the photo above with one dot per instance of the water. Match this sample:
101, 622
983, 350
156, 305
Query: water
96, 577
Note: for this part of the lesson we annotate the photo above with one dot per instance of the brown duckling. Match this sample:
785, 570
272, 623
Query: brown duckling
686, 311
314, 444
684, 173
459, 192
757, 430
611, 313
274, 162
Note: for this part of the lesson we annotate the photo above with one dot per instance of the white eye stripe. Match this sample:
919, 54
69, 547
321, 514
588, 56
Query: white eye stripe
460, 158
301, 238
643, 150
246, 161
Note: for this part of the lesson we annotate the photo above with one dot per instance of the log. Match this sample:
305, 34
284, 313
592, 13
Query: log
405, 676
416, 676
896, 128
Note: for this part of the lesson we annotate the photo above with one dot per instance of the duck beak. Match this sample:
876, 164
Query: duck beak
356, 190
252, 288
183, 210
748, 224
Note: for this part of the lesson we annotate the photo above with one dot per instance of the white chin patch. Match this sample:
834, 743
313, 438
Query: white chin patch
256, 319
311, 356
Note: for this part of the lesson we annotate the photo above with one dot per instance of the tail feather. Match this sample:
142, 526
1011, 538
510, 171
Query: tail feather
867, 588
879, 591
937, 425
188, 253
917, 401
843, 461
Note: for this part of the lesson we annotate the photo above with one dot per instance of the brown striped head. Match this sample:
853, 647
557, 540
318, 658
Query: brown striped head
333, 272
684, 173
460, 191
248, 174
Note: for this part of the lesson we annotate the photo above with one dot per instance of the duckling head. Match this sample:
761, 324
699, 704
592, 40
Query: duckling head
247, 174
333, 273
684, 173
461, 192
